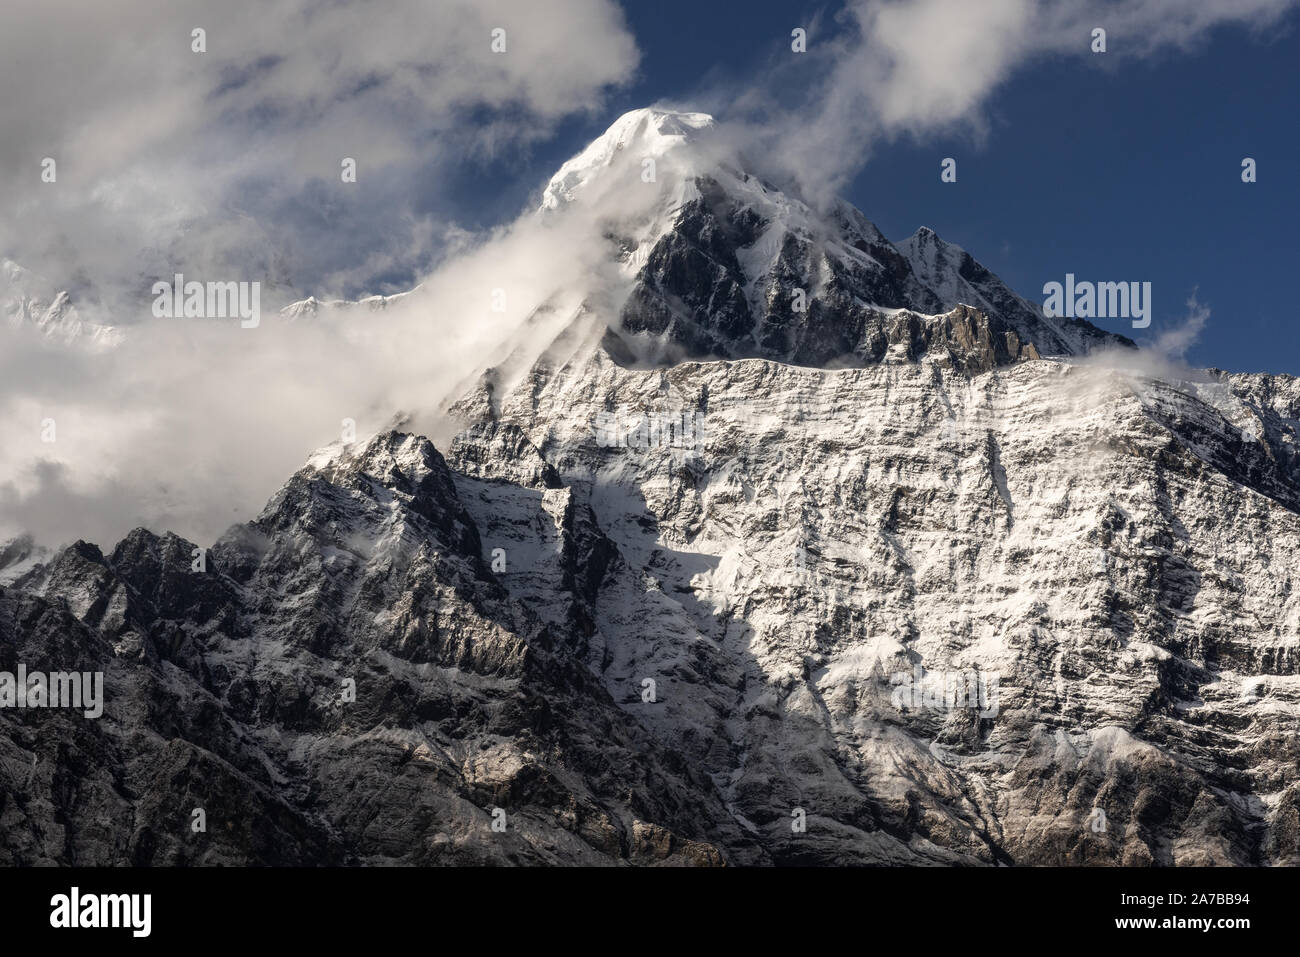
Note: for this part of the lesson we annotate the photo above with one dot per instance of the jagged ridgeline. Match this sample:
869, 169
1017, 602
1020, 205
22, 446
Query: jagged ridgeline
816, 549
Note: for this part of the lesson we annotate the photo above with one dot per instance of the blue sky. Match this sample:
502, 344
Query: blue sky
1112, 167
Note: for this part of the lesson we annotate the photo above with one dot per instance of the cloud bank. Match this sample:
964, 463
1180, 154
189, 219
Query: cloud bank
229, 161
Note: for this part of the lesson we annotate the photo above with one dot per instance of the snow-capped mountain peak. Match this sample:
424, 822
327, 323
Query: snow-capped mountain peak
636, 136
24, 303
724, 264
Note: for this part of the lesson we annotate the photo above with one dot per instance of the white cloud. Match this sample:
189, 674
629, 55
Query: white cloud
225, 166
1173, 343
228, 161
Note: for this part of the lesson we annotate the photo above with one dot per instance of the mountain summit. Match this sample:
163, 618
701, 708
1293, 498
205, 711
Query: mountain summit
726, 265
621, 151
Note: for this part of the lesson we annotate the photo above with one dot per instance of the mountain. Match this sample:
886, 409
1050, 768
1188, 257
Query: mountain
732, 267
912, 575
55, 320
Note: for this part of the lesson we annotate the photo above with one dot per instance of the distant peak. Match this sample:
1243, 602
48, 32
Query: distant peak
926, 235
663, 122
926, 243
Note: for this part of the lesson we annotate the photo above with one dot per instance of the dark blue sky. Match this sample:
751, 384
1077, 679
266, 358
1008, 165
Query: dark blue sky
1109, 167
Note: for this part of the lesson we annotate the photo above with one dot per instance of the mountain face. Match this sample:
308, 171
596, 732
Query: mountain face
744, 270
227, 690
910, 575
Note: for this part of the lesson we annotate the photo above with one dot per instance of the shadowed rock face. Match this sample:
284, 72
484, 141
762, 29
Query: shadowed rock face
738, 275
224, 691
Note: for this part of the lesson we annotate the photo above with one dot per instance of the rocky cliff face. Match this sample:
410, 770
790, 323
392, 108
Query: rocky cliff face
344, 681
1102, 549
745, 270
713, 580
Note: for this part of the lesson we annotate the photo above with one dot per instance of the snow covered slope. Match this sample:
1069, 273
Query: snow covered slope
1112, 552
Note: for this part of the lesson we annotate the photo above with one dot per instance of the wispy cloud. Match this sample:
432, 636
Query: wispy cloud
1174, 342
891, 68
